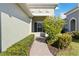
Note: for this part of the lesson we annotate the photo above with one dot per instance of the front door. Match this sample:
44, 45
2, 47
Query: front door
38, 27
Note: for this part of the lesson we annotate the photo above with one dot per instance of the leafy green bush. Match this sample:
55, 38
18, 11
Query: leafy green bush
52, 26
75, 34
20, 48
64, 40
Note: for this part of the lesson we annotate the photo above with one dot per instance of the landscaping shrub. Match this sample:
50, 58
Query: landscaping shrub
52, 26
75, 34
20, 48
63, 40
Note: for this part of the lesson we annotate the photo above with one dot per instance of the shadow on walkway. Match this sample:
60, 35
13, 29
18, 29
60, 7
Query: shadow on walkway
41, 39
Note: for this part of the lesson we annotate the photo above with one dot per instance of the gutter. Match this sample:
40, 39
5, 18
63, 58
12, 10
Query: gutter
41, 5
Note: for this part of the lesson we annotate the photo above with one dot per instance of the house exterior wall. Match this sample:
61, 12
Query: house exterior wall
0, 32
39, 11
69, 17
15, 25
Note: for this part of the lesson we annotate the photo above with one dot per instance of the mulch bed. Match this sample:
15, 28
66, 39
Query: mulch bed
53, 50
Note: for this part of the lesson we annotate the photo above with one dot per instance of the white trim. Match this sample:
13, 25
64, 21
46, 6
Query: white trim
42, 5
72, 11
25, 8
75, 23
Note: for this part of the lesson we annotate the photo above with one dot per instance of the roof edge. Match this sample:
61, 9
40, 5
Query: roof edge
32, 5
25, 9
71, 11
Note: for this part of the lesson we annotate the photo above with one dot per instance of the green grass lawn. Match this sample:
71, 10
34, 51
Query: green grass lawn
21, 48
72, 50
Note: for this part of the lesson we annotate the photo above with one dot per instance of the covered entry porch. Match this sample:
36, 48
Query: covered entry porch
37, 26
37, 23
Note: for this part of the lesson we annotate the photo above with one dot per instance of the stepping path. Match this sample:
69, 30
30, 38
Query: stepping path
40, 48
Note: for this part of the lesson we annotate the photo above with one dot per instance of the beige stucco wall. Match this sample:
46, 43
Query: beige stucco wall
15, 25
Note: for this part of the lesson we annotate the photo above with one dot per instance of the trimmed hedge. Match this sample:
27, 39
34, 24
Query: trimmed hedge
21, 48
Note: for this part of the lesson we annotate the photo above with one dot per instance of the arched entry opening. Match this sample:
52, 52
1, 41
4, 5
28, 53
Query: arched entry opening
73, 25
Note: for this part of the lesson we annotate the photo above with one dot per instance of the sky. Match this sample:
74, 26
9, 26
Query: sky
64, 7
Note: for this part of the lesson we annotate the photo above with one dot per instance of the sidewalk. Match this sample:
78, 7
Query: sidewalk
40, 48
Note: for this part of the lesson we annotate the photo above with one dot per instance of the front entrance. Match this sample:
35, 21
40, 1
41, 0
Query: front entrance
38, 26
37, 23
72, 25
